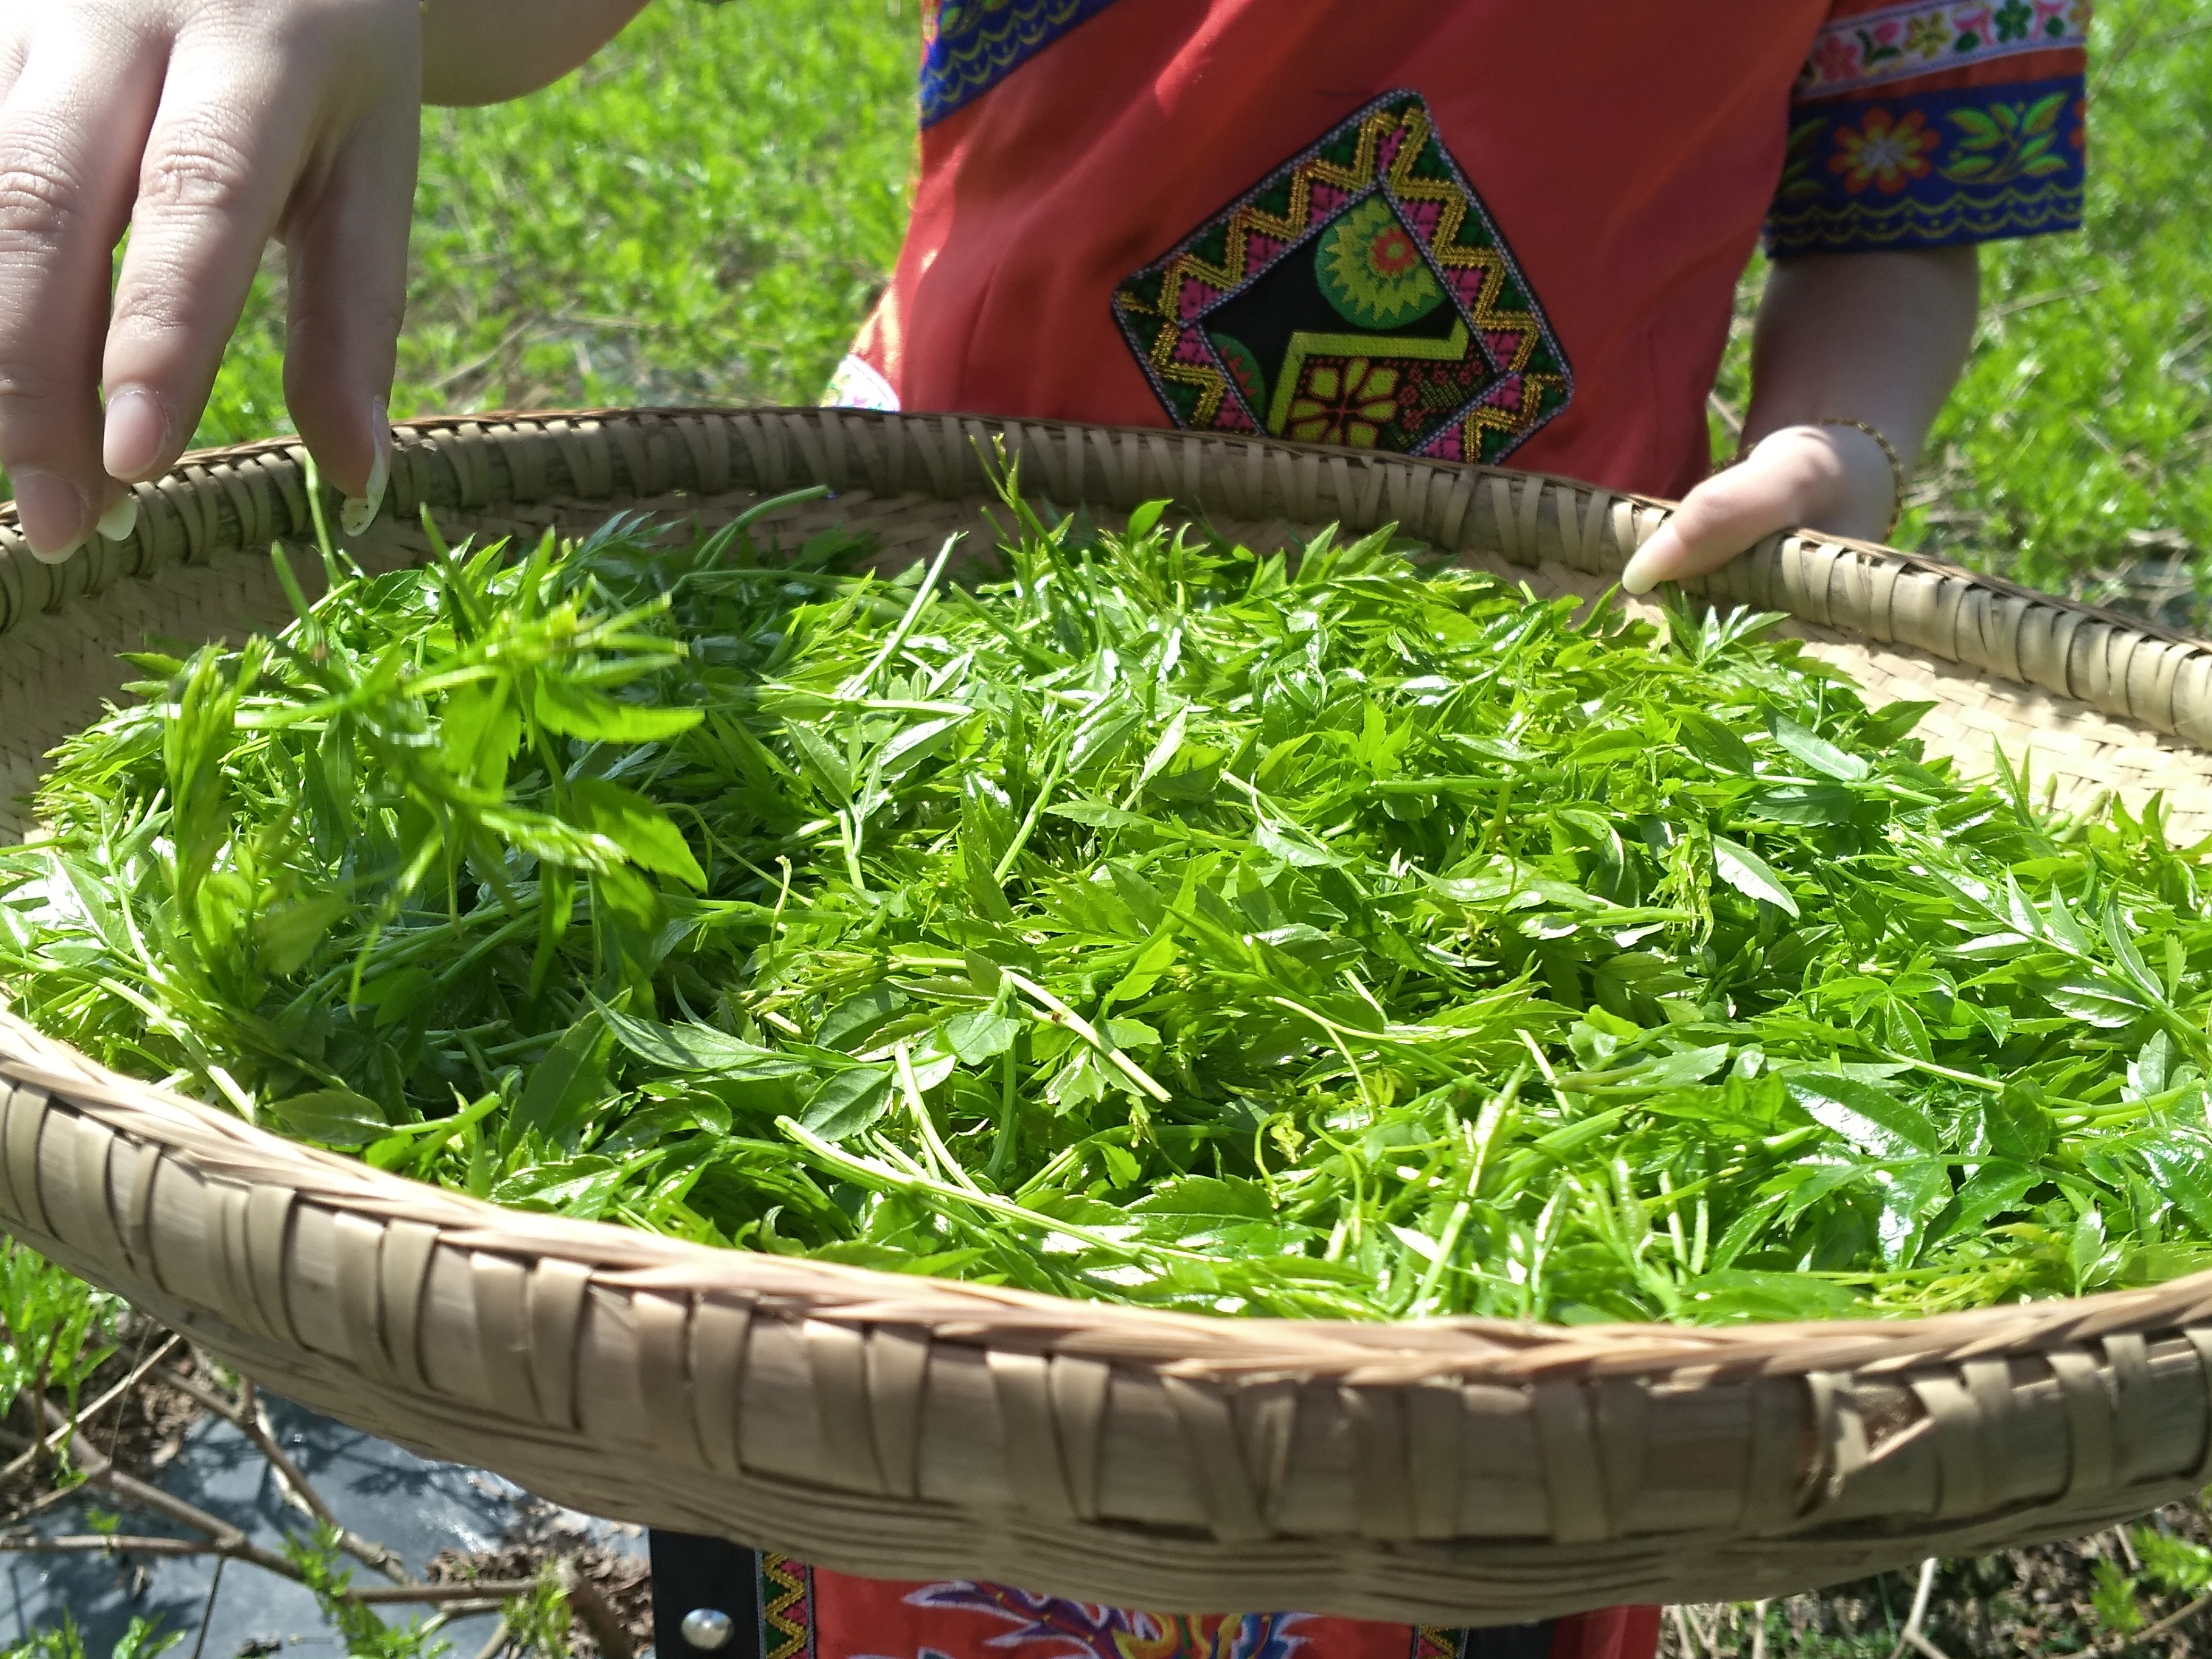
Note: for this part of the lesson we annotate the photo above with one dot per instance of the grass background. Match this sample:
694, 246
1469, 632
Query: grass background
705, 213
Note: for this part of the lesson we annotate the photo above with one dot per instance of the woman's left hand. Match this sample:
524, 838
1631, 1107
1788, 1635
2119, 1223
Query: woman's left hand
1877, 338
1831, 478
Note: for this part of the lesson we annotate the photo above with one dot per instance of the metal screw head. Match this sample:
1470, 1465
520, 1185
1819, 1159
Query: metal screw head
708, 1627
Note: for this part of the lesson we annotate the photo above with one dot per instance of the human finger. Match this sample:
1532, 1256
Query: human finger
71, 127
1797, 476
347, 289
228, 140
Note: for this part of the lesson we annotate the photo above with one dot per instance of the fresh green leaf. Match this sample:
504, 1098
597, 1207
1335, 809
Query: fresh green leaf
1870, 1119
580, 712
848, 1103
1750, 874
644, 834
336, 1117
1817, 753
692, 1047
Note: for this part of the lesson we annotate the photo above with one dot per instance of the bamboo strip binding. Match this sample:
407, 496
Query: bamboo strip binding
1452, 1472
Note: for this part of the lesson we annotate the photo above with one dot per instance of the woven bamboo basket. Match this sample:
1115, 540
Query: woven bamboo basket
1453, 1472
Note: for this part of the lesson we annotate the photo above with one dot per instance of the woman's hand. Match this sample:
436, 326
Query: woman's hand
1878, 337
206, 127
1833, 478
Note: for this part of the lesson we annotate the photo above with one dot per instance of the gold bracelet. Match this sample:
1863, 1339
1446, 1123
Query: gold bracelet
1896, 479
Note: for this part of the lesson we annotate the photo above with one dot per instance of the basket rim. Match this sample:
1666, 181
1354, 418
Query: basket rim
1191, 1345
522, 416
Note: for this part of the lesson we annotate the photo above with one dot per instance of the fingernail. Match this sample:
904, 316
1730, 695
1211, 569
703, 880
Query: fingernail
137, 434
1641, 574
53, 512
120, 519
359, 512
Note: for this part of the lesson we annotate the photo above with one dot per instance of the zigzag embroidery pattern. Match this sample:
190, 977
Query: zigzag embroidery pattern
786, 1604
1248, 221
1492, 319
1396, 149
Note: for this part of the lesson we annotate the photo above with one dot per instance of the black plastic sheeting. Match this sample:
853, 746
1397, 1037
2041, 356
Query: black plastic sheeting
379, 1491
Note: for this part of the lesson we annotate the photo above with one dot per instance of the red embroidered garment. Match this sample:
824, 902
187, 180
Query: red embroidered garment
1488, 229
810, 1613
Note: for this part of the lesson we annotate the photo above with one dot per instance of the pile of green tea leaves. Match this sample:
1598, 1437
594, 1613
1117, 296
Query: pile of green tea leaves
1313, 936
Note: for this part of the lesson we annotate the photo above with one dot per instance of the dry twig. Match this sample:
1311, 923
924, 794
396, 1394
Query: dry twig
1911, 1636
227, 1543
52, 1442
206, 1610
99, 1471
245, 1413
491, 1592
2148, 1632
590, 1607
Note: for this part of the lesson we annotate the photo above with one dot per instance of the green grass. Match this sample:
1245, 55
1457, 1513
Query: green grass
2081, 433
55, 1329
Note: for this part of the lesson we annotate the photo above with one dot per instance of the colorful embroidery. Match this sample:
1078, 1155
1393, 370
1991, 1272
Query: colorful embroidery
1934, 168
787, 1607
1883, 151
968, 46
857, 385
1920, 38
1073, 1630
810, 1614
1357, 295
1371, 269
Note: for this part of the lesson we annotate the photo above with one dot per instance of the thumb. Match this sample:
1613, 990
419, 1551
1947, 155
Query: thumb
1828, 476
1728, 513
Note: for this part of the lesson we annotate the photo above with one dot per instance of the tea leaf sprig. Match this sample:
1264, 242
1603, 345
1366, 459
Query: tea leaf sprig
1316, 936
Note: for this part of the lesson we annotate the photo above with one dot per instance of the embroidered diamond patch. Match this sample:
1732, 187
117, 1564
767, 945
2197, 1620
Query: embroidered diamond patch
1359, 295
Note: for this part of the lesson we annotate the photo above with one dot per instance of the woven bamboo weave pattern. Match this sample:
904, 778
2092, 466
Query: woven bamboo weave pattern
1451, 1472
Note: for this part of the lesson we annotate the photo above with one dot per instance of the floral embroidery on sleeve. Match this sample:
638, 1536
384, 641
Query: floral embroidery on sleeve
1923, 39
1910, 129
1884, 153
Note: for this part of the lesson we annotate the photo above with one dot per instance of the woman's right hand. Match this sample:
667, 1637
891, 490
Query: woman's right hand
206, 127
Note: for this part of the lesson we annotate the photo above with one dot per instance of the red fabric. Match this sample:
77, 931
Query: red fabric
1611, 1633
860, 1619
848, 1618
1626, 153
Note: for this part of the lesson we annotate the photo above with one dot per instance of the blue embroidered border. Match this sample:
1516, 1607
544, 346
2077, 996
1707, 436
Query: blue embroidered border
968, 46
1931, 169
